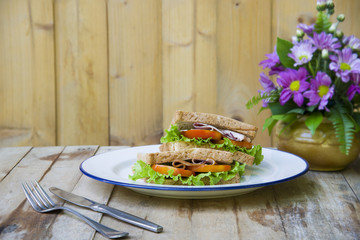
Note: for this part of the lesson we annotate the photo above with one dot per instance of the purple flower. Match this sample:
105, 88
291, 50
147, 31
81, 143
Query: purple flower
276, 70
320, 91
268, 86
344, 63
302, 53
325, 41
306, 28
294, 84
272, 61
352, 42
266, 83
355, 87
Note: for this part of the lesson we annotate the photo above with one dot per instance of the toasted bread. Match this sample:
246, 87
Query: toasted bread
219, 156
185, 120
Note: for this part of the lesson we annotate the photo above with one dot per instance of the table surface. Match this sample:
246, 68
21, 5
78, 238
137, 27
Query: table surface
317, 205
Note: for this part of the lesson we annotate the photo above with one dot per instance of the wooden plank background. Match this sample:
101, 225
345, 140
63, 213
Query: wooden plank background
112, 72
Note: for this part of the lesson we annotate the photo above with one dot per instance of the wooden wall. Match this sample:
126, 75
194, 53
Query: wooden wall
113, 72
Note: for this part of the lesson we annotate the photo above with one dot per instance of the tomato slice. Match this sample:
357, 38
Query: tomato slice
209, 168
201, 133
237, 143
163, 169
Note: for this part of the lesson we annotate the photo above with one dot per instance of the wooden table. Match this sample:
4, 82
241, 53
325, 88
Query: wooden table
318, 205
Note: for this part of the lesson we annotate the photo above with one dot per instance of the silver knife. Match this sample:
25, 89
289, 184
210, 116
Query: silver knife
123, 216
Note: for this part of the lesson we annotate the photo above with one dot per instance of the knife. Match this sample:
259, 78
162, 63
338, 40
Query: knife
123, 216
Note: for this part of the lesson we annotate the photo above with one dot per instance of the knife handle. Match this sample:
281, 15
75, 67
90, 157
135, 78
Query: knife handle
129, 218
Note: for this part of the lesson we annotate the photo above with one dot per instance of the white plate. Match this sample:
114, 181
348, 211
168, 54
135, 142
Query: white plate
115, 167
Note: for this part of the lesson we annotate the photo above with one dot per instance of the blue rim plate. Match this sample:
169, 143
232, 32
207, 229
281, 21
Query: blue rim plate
115, 167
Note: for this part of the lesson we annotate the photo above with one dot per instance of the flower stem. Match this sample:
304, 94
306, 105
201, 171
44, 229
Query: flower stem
325, 63
311, 70
318, 63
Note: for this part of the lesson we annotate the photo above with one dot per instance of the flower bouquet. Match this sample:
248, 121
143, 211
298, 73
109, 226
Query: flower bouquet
317, 75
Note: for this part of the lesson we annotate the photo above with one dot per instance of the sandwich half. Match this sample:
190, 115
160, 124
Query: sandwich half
192, 166
200, 149
207, 130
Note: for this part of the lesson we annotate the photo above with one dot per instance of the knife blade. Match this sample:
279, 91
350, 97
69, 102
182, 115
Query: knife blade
123, 216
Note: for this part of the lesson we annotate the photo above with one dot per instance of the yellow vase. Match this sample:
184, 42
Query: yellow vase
320, 150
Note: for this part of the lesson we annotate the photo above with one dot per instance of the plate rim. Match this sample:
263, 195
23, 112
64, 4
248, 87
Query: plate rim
194, 188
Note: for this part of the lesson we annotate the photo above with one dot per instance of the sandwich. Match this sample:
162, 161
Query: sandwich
200, 149
207, 130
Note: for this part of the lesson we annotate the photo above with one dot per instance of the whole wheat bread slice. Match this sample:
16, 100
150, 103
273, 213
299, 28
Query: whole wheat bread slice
218, 156
185, 120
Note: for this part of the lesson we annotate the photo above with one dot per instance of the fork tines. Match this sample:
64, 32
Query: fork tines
37, 196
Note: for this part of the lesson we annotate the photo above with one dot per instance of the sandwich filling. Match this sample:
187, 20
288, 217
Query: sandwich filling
204, 134
187, 172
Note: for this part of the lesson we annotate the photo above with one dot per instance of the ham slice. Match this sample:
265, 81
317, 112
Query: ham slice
226, 133
183, 163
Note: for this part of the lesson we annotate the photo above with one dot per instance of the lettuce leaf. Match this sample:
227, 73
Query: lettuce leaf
174, 135
143, 170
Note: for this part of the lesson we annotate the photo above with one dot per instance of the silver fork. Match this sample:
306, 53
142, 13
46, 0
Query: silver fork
42, 203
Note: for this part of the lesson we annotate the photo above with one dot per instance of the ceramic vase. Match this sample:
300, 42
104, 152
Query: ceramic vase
320, 150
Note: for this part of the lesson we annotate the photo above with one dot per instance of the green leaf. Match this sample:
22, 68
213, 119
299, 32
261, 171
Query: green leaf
278, 116
255, 100
300, 111
291, 119
261, 109
347, 104
171, 135
142, 170
276, 108
322, 23
256, 151
269, 124
311, 108
344, 126
313, 121
356, 117
283, 49
174, 135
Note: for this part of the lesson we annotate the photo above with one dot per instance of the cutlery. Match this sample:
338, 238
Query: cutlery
41, 202
123, 216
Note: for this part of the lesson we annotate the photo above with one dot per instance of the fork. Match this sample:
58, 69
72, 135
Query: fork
41, 202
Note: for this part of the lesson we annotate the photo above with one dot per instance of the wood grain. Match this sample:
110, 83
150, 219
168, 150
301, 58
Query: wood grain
112, 72
81, 72
350, 9
319, 200
83, 186
259, 210
9, 157
317, 205
178, 24
243, 31
205, 82
27, 73
135, 72
288, 14
352, 176
21, 221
